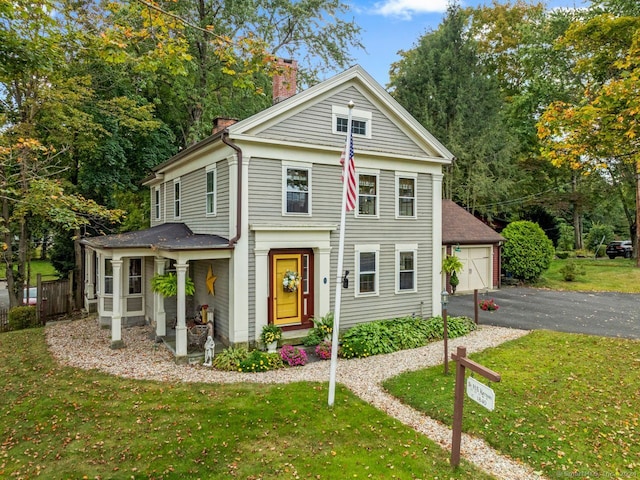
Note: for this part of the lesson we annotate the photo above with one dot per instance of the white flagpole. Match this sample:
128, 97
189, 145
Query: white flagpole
338, 299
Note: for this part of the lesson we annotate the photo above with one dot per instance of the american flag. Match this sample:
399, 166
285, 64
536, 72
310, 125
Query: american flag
351, 176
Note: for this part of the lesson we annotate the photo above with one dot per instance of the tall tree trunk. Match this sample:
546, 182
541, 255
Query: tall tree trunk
577, 217
636, 237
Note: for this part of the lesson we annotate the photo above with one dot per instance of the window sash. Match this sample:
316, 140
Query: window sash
406, 197
407, 273
367, 273
358, 127
108, 277
156, 201
211, 192
367, 195
135, 276
297, 190
176, 199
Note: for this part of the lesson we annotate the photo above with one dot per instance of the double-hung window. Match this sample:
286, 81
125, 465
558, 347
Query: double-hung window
406, 264
367, 265
108, 277
176, 198
156, 203
406, 196
211, 190
297, 189
368, 194
135, 276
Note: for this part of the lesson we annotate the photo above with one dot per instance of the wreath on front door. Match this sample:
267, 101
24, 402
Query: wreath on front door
291, 281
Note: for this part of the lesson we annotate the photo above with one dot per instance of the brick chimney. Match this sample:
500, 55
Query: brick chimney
284, 84
221, 123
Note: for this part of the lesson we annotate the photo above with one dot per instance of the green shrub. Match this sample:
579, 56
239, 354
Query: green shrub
566, 240
387, 336
528, 252
322, 329
259, 361
22, 317
595, 237
562, 255
230, 358
571, 270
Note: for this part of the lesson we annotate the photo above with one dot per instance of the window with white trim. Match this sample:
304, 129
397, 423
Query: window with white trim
156, 203
211, 199
135, 276
406, 268
176, 198
297, 190
367, 194
108, 276
361, 121
406, 195
367, 264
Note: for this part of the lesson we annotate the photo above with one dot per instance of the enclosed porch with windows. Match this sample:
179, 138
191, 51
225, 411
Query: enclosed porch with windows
119, 270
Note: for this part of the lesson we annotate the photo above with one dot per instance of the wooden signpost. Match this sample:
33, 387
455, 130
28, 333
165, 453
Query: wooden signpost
481, 394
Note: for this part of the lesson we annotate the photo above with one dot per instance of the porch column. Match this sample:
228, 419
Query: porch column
159, 314
436, 244
116, 316
181, 326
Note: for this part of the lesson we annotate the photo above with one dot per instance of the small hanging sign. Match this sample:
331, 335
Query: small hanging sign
480, 393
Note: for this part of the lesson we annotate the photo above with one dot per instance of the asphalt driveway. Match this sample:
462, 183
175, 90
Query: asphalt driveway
595, 313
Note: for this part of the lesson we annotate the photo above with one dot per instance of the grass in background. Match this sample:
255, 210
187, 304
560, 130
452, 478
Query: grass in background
602, 275
70, 423
43, 267
565, 403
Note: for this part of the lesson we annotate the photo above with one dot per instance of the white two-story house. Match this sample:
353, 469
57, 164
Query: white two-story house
262, 197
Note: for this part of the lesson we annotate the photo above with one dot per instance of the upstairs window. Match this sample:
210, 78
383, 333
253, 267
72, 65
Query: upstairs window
211, 191
368, 195
406, 196
297, 198
361, 121
156, 203
176, 198
358, 127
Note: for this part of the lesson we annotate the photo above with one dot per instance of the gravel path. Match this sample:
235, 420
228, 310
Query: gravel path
83, 344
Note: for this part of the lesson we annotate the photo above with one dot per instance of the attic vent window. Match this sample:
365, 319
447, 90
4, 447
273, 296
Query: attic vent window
361, 121
358, 127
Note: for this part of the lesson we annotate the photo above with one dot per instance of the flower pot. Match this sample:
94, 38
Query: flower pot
271, 347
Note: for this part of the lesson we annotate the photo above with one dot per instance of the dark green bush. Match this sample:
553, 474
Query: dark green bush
230, 358
22, 317
562, 255
571, 270
595, 237
387, 336
528, 252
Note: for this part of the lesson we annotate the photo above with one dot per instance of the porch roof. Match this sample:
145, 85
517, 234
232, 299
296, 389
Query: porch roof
168, 236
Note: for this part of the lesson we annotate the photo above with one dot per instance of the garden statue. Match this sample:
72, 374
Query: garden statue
209, 346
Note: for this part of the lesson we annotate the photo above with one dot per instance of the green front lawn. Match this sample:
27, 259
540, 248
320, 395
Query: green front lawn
43, 267
69, 423
565, 404
602, 275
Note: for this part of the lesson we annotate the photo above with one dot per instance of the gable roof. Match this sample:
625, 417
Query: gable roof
354, 76
459, 226
168, 236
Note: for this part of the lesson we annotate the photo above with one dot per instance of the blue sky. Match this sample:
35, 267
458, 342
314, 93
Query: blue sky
392, 25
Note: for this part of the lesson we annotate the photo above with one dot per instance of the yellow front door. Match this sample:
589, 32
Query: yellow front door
287, 305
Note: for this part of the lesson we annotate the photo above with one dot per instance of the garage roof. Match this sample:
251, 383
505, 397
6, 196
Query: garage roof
461, 227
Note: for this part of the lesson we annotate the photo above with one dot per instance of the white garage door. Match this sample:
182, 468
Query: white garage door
477, 271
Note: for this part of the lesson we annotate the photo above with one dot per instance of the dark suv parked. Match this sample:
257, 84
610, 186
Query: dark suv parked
622, 248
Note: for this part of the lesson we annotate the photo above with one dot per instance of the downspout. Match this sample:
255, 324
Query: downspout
226, 141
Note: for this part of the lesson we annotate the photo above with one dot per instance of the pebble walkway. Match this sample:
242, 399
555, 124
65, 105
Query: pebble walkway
83, 344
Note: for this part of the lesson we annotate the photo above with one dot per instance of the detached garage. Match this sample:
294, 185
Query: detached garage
476, 244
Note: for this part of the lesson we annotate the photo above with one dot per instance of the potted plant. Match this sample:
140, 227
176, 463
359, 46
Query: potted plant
451, 265
167, 285
270, 336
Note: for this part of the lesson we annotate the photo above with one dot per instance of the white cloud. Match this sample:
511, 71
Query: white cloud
407, 8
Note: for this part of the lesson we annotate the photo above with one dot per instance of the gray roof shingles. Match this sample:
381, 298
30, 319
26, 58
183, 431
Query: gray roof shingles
459, 226
168, 236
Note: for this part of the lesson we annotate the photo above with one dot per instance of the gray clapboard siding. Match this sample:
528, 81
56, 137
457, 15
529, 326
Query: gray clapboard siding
220, 301
314, 125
